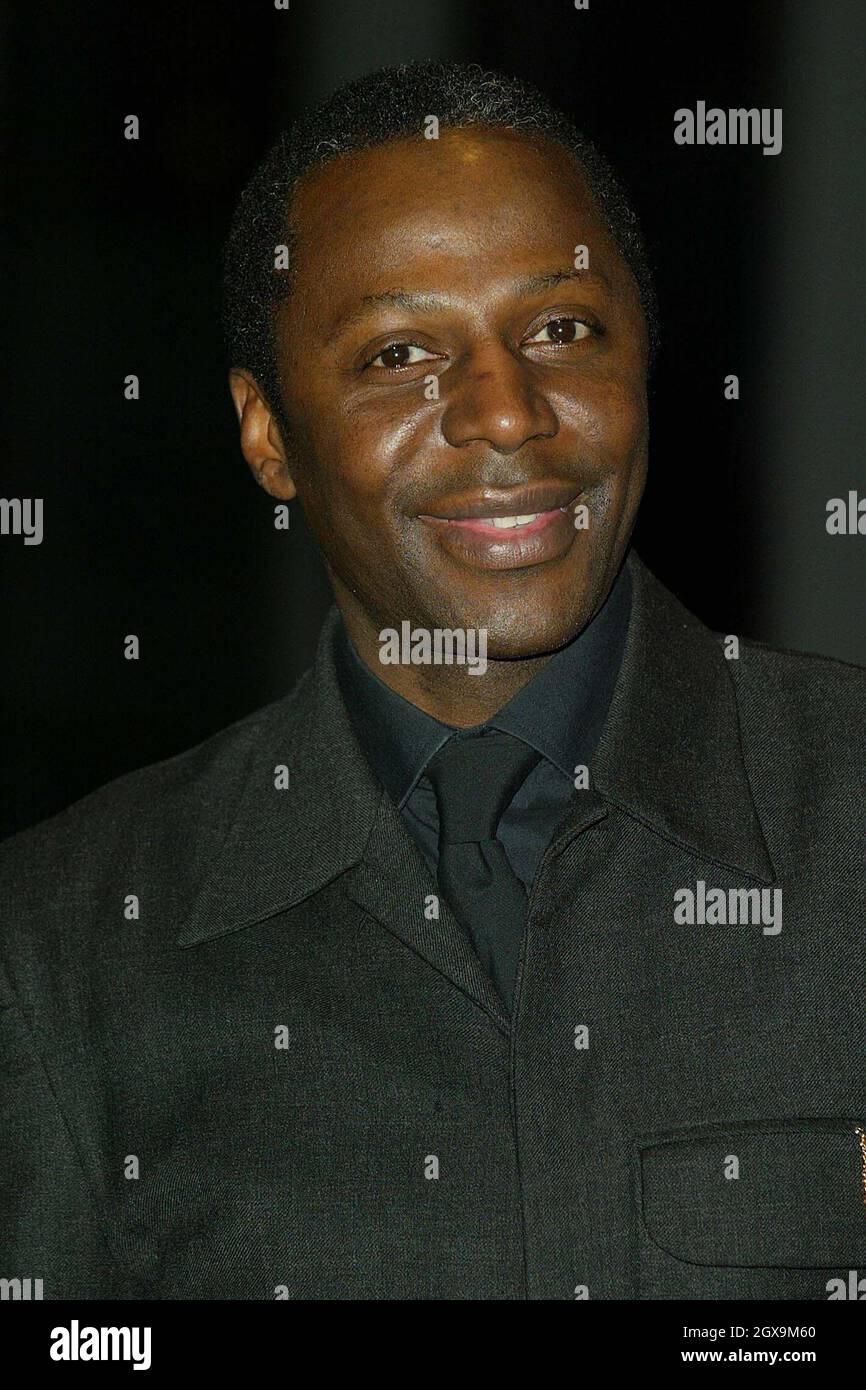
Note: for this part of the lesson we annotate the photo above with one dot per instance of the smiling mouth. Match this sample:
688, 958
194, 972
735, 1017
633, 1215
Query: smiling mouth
496, 526
513, 531
505, 508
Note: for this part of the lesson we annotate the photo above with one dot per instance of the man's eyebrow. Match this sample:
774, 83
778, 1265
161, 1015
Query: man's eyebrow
419, 301
427, 301
551, 278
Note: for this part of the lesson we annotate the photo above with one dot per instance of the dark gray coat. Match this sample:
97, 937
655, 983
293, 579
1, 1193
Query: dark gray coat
313, 1079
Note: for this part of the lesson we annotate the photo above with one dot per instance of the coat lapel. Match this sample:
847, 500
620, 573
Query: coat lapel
394, 884
283, 845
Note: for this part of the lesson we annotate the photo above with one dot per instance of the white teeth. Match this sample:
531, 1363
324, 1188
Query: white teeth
504, 522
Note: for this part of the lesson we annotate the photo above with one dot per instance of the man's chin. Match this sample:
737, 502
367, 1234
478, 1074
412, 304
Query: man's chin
529, 645
537, 626
517, 632
529, 631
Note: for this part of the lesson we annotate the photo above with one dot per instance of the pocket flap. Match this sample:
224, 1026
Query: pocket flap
799, 1200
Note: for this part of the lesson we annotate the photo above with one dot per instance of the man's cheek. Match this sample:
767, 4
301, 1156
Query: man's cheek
610, 407
354, 524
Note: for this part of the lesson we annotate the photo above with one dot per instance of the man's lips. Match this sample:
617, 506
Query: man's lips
519, 506
506, 529
492, 501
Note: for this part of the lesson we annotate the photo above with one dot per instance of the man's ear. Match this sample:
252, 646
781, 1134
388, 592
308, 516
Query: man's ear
261, 443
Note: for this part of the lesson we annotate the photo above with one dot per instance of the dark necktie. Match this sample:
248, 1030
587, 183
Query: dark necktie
474, 780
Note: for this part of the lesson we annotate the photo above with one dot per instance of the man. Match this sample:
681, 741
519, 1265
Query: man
518, 952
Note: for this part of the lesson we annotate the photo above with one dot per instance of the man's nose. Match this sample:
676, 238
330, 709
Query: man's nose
495, 398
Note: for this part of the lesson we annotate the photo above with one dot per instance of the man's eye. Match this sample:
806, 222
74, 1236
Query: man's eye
563, 330
400, 355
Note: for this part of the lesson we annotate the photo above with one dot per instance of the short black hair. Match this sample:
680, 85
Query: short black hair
393, 104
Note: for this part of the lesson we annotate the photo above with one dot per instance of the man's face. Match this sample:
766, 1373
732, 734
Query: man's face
444, 367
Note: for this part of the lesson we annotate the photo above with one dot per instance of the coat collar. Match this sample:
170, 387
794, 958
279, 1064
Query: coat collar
670, 755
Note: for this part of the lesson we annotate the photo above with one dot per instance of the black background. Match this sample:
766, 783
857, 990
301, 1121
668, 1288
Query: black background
153, 524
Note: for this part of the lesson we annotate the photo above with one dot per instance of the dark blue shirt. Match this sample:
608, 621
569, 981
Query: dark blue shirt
560, 713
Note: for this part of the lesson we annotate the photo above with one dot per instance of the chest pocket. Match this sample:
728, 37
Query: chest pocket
764, 1209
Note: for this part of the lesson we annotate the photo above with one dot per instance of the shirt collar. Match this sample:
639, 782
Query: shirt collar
560, 712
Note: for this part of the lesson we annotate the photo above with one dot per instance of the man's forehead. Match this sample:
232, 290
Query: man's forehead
461, 148
488, 177
365, 225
